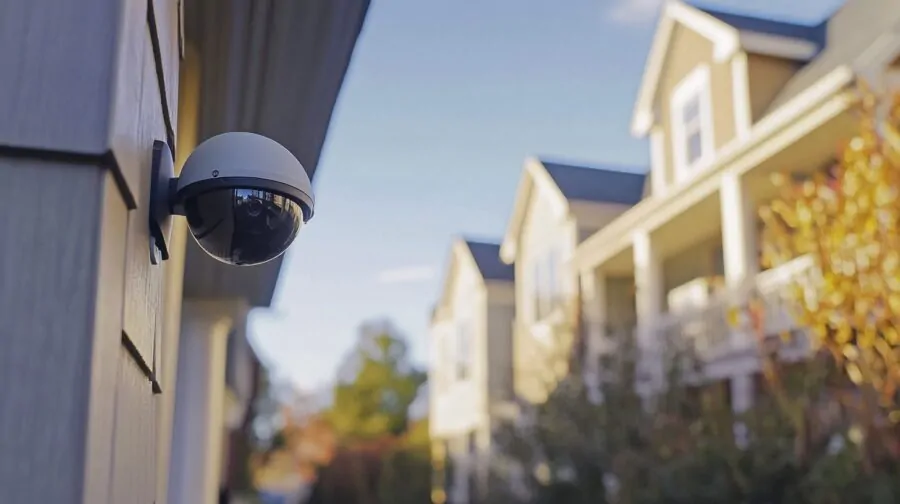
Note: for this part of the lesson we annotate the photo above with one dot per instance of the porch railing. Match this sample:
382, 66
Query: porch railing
772, 286
709, 328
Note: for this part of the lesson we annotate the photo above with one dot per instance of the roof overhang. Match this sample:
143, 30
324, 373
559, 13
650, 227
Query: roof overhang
273, 68
727, 41
533, 175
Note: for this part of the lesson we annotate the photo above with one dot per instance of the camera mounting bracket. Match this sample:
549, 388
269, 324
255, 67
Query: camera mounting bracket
162, 173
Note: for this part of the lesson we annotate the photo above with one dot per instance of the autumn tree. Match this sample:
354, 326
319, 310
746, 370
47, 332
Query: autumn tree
383, 454
846, 219
372, 400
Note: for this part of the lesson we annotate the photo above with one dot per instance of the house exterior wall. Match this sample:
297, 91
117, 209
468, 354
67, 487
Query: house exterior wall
620, 311
461, 408
91, 327
688, 50
540, 352
767, 76
79, 299
546, 226
188, 124
500, 317
459, 405
591, 217
704, 259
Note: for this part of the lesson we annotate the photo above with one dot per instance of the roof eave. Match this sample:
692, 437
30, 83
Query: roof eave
766, 44
509, 245
224, 105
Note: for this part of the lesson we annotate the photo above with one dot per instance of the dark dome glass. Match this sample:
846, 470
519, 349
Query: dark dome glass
243, 226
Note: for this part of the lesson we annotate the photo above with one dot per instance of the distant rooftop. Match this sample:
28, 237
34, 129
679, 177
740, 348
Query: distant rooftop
487, 257
601, 184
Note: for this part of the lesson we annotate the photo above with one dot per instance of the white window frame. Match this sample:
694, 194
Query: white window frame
696, 85
547, 284
464, 345
447, 359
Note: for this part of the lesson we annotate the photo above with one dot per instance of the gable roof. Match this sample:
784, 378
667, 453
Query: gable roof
613, 184
487, 259
729, 33
608, 184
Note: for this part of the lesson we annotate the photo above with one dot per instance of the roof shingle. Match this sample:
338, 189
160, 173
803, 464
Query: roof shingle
602, 184
812, 33
487, 258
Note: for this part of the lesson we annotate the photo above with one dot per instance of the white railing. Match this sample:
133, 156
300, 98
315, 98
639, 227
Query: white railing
708, 328
705, 327
772, 286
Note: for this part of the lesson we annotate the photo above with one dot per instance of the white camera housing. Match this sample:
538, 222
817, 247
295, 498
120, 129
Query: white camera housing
245, 198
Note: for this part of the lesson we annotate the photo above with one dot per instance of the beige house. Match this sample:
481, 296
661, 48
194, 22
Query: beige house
470, 373
123, 377
725, 100
557, 206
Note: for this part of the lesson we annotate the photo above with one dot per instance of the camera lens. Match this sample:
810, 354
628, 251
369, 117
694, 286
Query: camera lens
243, 226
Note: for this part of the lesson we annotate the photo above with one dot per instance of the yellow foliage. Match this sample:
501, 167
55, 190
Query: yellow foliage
847, 219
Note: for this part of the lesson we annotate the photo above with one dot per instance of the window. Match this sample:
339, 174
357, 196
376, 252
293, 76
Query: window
547, 293
463, 348
446, 356
693, 130
691, 122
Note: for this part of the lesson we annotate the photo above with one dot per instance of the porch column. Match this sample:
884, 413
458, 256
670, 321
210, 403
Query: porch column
594, 307
741, 260
200, 402
739, 240
648, 279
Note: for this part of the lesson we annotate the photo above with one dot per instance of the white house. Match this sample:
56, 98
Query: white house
557, 206
471, 368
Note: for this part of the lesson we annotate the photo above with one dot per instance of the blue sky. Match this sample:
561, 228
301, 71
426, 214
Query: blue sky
443, 102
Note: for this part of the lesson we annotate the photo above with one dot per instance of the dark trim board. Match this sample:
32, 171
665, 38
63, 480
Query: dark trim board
106, 160
141, 362
160, 75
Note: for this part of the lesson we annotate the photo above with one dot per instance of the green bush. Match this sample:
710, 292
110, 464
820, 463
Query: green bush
811, 438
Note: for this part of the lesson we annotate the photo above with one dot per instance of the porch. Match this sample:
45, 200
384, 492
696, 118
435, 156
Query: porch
677, 273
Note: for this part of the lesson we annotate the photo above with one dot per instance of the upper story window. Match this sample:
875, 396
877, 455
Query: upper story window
444, 368
546, 284
463, 354
691, 123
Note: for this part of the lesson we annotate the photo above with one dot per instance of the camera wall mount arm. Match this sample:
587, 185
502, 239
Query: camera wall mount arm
162, 190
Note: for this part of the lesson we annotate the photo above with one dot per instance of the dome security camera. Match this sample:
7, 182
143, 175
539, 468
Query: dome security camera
245, 198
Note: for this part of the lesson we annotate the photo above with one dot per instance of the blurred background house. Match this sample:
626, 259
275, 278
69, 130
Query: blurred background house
470, 374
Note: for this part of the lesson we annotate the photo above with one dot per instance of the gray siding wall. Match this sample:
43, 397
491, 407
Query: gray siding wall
83, 94
500, 365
